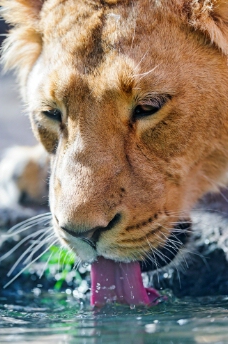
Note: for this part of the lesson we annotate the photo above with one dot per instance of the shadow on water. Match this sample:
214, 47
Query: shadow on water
55, 317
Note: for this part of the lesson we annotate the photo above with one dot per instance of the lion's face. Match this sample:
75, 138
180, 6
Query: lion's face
132, 105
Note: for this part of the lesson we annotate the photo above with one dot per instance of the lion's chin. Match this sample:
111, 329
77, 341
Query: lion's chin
83, 249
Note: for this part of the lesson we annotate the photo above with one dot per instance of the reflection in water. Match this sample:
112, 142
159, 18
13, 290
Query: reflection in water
57, 318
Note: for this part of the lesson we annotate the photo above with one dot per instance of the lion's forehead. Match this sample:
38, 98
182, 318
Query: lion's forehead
87, 29
109, 40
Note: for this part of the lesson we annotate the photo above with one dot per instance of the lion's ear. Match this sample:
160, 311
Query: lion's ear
211, 17
23, 45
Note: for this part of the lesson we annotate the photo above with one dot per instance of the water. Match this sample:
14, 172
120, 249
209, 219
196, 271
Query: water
58, 318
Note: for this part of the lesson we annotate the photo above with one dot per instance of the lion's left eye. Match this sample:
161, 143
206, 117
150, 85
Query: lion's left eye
53, 114
145, 110
149, 106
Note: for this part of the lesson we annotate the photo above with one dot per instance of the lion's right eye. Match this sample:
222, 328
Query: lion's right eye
53, 114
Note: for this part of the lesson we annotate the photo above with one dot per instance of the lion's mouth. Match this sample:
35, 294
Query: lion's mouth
122, 282
114, 281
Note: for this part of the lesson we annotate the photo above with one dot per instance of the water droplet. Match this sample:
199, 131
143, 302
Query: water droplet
36, 291
112, 287
68, 291
150, 328
182, 321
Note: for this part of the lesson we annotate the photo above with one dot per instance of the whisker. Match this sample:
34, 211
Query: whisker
76, 264
216, 185
31, 222
67, 254
142, 75
24, 254
61, 250
219, 184
154, 261
39, 245
24, 229
157, 266
162, 256
143, 57
32, 235
168, 246
45, 266
27, 266
148, 256
168, 240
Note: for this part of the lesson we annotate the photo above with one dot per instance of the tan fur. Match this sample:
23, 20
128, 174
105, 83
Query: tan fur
96, 61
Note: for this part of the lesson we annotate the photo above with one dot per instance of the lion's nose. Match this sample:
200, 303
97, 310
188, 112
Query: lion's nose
92, 234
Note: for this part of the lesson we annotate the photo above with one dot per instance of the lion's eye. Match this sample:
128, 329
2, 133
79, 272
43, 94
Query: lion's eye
149, 106
145, 110
54, 114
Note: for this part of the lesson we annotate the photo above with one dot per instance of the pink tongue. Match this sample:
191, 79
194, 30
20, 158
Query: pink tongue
119, 282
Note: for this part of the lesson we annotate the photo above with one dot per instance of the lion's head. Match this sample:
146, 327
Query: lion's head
130, 100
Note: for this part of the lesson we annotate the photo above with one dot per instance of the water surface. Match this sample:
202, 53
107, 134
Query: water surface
60, 318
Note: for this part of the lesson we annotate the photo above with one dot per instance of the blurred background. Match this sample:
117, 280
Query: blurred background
14, 124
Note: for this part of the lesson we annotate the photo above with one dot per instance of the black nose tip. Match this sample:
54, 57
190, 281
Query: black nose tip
93, 234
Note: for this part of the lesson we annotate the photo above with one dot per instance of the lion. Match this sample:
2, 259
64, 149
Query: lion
129, 99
